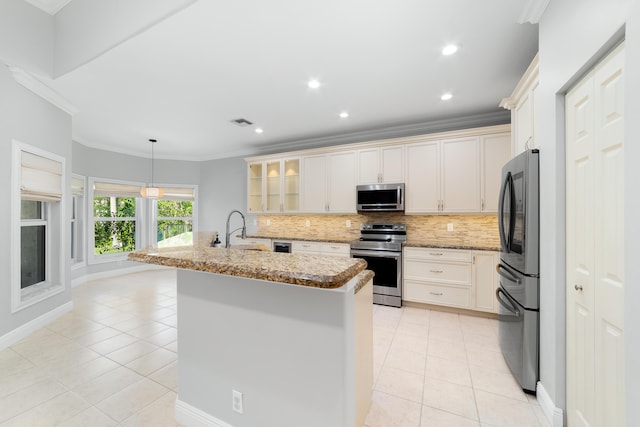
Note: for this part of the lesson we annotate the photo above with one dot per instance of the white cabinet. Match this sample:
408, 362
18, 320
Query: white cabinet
423, 177
485, 281
522, 106
460, 175
494, 153
438, 276
321, 248
328, 183
381, 165
273, 186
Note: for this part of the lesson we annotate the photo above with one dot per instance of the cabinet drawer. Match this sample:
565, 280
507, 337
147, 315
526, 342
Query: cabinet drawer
255, 241
437, 294
455, 273
438, 254
298, 246
339, 249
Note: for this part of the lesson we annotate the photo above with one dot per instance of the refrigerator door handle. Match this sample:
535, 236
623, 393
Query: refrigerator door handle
505, 232
510, 307
507, 274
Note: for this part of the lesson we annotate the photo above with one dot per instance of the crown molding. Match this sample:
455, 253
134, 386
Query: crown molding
50, 6
533, 11
42, 90
526, 82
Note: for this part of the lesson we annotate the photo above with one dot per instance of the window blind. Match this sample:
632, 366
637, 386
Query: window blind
77, 186
114, 189
41, 178
179, 193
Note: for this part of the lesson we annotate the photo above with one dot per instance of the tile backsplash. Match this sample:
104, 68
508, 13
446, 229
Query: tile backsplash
466, 229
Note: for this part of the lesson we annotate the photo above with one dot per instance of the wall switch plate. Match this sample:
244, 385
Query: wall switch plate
449, 227
307, 223
236, 402
348, 223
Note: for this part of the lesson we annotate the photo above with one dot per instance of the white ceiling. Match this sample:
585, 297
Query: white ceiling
183, 79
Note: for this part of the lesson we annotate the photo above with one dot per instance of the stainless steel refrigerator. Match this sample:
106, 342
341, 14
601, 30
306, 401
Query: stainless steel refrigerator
519, 268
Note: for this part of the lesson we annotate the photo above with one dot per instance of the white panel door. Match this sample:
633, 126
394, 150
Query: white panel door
460, 175
369, 166
342, 182
580, 257
595, 237
423, 177
314, 184
495, 151
609, 235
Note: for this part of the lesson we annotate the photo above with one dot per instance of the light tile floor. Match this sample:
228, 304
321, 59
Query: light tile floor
112, 361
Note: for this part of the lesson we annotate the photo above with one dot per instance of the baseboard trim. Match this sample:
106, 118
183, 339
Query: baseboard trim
554, 415
191, 416
113, 273
30, 327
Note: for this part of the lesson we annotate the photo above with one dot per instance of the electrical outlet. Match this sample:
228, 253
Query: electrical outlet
348, 223
255, 222
268, 222
449, 227
307, 223
236, 402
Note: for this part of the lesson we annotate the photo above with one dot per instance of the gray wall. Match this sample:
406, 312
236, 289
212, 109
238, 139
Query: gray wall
29, 119
223, 187
573, 35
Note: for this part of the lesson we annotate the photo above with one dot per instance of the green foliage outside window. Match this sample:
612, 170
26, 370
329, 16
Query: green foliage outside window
170, 213
113, 235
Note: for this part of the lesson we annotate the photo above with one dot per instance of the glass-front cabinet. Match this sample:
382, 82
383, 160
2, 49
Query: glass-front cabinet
274, 186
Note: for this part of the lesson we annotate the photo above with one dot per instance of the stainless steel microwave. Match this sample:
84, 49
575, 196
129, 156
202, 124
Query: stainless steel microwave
380, 198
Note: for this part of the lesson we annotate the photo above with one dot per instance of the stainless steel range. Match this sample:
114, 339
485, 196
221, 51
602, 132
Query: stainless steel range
381, 246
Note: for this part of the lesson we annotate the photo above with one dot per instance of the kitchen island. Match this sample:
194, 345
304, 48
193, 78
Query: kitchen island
270, 338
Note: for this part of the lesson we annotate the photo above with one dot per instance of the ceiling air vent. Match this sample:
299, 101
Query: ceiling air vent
241, 122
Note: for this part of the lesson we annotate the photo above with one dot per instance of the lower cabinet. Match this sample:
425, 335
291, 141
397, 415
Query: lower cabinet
321, 248
450, 277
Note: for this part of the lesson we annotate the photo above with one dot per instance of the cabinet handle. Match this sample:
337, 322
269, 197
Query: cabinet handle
578, 287
436, 293
436, 271
482, 205
436, 253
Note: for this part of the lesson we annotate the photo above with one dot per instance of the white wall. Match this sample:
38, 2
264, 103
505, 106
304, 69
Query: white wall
574, 34
26, 37
29, 119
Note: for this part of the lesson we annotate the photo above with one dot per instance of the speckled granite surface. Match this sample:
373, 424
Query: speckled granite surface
296, 269
363, 278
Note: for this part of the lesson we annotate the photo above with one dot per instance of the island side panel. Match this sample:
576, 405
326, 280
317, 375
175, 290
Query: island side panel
287, 348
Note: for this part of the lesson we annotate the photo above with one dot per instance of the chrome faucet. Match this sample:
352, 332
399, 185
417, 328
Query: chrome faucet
227, 242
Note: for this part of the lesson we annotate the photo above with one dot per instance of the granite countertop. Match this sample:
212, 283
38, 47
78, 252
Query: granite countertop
297, 269
426, 243
363, 278
411, 241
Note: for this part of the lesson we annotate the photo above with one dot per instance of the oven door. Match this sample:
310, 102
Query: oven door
387, 267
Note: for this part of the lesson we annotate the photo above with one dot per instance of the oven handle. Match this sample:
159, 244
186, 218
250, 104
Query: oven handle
511, 308
377, 254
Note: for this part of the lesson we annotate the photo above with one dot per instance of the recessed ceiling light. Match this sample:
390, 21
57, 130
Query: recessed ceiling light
446, 97
313, 84
450, 49
344, 115
259, 130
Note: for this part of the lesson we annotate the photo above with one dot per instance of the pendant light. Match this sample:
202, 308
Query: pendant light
152, 192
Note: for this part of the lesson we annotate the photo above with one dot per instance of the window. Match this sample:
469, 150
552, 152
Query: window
77, 221
115, 207
174, 217
37, 212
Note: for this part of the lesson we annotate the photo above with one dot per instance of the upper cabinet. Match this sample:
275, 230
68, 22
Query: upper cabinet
522, 106
381, 165
274, 186
448, 172
329, 183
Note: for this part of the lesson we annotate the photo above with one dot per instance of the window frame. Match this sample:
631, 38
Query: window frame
54, 217
92, 257
153, 223
78, 222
